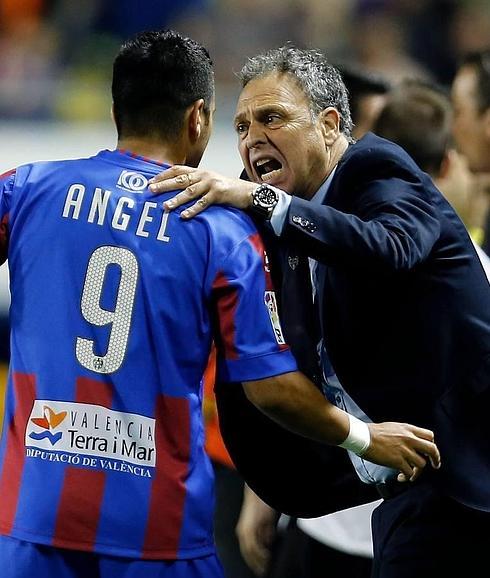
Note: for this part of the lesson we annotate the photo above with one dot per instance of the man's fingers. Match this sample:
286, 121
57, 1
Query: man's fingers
171, 173
416, 473
423, 433
192, 192
426, 445
435, 461
176, 177
411, 469
195, 209
406, 471
430, 450
416, 460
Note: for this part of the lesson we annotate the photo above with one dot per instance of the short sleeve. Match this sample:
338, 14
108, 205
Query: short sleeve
248, 333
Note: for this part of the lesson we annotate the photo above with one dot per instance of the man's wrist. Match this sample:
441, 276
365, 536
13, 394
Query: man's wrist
359, 437
264, 199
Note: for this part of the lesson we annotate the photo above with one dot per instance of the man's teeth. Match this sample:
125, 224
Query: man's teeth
268, 168
271, 175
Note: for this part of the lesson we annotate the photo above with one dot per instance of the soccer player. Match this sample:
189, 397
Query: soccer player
115, 305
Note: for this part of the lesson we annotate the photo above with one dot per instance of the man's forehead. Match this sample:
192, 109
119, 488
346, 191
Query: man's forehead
271, 89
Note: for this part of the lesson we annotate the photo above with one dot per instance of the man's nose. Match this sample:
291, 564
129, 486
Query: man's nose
255, 135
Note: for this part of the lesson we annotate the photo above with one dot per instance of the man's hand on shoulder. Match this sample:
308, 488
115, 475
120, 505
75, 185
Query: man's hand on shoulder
209, 188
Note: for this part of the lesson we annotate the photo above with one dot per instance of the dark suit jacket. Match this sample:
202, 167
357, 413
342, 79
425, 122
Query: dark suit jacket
405, 314
293, 474
405, 307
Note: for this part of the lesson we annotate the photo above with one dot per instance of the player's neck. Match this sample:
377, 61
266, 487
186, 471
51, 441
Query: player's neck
153, 150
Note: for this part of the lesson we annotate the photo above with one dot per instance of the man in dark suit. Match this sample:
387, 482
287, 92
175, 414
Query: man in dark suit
404, 304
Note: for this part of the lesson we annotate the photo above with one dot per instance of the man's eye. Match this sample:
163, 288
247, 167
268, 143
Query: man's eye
241, 128
271, 118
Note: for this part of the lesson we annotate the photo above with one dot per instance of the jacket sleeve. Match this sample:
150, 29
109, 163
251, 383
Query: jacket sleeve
392, 222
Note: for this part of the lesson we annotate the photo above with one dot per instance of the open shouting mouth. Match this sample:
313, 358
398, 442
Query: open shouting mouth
268, 169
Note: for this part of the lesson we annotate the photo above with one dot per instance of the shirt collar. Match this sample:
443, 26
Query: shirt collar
321, 194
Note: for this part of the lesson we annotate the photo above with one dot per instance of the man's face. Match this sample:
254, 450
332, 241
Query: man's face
470, 126
279, 143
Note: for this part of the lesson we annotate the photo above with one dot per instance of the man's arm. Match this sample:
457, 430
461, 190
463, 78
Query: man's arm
295, 403
251, 349
394, 227
256, 531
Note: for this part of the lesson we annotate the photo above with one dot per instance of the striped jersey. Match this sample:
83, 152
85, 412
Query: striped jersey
115, 304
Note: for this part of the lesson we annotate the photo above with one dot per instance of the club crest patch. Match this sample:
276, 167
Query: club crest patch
293, 262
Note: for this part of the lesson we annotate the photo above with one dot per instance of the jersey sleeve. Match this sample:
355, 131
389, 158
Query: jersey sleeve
248, 333
6, 187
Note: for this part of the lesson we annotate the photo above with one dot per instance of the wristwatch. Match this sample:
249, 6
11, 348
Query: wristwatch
264, 199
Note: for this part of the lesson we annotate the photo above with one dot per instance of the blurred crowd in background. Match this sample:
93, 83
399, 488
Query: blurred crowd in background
56, 55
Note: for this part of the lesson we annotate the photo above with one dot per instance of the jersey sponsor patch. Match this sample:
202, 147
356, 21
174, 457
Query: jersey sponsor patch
270, 301
132, 181
104, 436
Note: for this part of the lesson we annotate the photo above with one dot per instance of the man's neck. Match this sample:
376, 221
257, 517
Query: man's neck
335, 153
155, 150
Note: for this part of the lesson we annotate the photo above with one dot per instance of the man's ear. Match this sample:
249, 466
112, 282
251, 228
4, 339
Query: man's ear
330, 124
196, 120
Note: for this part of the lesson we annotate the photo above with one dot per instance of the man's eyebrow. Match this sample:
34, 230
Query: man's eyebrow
238, 117
266, 108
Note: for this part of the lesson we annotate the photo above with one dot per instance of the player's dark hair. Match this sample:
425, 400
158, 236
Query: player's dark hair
156, 76
417, 116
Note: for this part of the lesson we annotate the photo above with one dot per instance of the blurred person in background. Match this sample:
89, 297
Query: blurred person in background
404, 301
28, 60
102, 466
367, 94
471, 128
380, 40
411, 105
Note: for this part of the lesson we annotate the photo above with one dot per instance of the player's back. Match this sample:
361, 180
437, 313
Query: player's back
111, 331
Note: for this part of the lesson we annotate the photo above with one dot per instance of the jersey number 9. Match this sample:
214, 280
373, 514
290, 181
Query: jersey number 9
119, 318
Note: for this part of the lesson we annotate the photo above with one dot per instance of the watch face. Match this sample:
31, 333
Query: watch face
264, 199
265, 196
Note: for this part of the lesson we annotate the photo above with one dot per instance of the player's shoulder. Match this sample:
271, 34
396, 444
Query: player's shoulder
227, 221
41, 169
224, 230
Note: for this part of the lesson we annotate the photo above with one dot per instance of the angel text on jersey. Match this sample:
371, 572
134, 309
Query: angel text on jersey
124, 215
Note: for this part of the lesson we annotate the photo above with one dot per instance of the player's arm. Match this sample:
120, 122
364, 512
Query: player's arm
295, 403
251, 348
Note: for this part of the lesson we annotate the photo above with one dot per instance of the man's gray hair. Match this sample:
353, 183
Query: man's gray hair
320, 81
